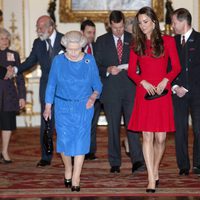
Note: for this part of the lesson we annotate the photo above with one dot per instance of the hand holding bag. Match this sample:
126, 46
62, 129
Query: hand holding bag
155, 96
47, 138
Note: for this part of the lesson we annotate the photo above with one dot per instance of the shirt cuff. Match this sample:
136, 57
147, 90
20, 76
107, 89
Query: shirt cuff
107, 74
15, 69
173, 89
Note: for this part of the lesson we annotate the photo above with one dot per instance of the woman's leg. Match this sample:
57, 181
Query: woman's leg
148, 140
5, 143
78, 164
159, 148
68, 166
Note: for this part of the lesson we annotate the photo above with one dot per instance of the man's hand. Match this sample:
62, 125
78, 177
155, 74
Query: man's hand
180, 91
113, 70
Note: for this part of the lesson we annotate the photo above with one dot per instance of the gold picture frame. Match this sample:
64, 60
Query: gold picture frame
67, 14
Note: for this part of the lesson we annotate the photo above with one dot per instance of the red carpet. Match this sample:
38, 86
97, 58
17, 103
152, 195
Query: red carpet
23, 179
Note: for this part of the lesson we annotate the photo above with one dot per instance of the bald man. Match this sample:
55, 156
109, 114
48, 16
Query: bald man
43, 52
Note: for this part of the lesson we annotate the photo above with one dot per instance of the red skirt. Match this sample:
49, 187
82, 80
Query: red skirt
152, 115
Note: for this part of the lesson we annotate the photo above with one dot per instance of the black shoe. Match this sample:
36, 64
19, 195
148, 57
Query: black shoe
184, 172
196, 170
75, 188
43, 163
138, 166
150, 190
115, 169
90, 156
4, 161
68, 183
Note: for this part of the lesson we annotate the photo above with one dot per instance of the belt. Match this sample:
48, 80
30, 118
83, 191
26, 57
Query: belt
71, 100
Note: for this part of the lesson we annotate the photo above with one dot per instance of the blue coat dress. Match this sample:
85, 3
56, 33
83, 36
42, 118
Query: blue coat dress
69, 87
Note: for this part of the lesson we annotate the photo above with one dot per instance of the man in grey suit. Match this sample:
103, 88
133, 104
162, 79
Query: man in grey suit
111, 50
44, 49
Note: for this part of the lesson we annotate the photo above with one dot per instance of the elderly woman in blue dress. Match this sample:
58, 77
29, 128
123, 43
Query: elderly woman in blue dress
73, 87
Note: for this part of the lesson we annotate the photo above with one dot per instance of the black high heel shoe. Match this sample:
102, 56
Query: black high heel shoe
68, 183
150, 190
75, 188
4, 160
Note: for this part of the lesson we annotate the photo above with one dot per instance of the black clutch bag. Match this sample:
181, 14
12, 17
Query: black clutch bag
47, 139
155, 96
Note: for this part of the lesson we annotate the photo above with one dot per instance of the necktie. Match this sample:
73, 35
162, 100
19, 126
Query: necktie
183, 41
50, 50
89, 50
119, 49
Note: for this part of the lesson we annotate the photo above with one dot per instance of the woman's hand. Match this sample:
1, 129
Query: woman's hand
91, 100
22, 103
47, 112
148, 87
161, 86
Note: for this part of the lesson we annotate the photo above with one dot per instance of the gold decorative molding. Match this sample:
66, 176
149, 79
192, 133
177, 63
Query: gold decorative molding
67, 14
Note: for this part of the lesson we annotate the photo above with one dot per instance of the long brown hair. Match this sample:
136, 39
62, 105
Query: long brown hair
139, 38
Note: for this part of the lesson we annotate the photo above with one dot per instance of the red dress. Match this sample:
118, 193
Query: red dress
153, 115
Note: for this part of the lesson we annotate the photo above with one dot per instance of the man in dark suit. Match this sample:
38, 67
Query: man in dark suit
43, 52
89, 30
186, 90
111, 50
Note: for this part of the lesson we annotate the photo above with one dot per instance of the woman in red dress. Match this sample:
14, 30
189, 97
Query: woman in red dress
152, 51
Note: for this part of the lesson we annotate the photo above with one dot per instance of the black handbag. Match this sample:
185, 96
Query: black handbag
47, 138
155, 96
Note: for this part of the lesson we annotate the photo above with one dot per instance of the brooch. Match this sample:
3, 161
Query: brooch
87, 61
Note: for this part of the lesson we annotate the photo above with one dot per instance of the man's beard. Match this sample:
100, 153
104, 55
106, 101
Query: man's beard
43, 36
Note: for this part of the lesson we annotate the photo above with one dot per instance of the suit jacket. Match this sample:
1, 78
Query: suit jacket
11, 90
190, 62
106, 55
93, 48
3, 72
39, 55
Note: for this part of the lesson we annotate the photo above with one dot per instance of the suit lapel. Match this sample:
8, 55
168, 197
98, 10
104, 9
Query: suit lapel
44, 47
56, 46
126, 46
191, 40
113, 49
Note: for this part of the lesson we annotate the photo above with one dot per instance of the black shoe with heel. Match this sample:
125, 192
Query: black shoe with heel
75, 188
3, 160
68, 183
150, 190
